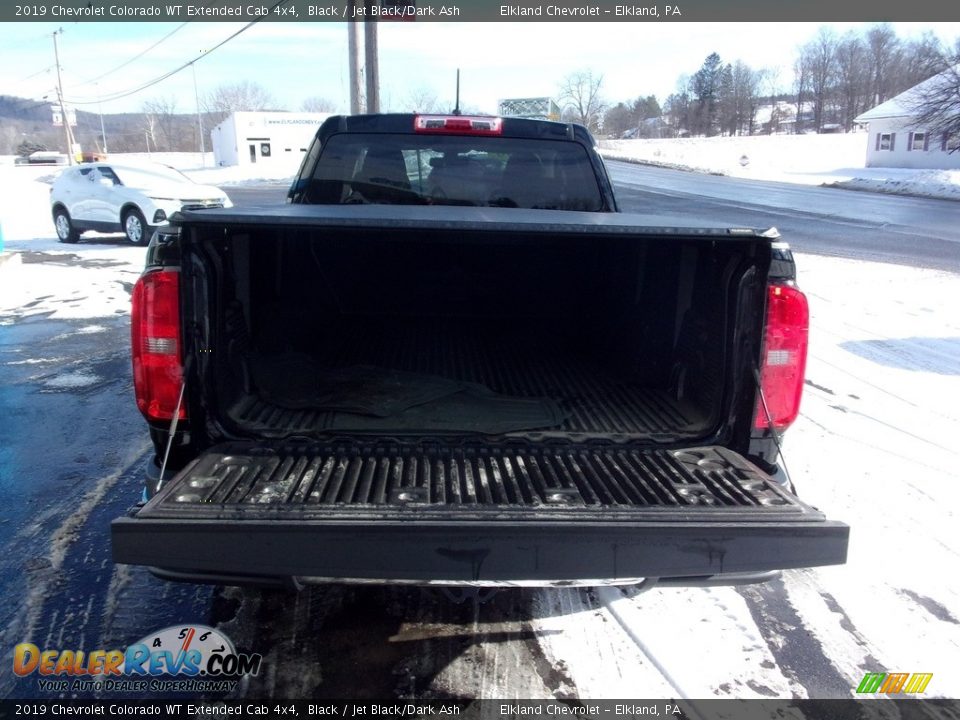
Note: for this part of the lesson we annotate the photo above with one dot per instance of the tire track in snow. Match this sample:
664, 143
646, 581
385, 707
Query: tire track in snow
938, 610
797, 652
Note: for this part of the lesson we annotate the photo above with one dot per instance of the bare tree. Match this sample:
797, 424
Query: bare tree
820, 57
922, 58
884, 50
935, 105
422, 100
150, 128
853, 77
163, 122
801, 86
318, 104
678, 108
237, 97
739, 98
771, 89
580, 94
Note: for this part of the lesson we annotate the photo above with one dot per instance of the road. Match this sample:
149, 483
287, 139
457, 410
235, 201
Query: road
918, 232
78, 450
866, 226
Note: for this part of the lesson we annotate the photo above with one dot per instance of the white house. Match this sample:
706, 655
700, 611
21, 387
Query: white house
895, 139
271, 138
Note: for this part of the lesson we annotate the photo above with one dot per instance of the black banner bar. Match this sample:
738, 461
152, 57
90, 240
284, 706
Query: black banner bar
637, 709
640, 11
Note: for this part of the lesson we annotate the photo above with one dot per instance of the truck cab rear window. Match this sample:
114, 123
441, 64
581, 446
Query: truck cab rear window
453, 170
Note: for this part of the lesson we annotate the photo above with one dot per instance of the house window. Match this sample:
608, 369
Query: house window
918, 141
951, 143
884, 142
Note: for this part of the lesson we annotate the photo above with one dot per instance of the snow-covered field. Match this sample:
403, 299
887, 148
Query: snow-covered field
836, 160
875, 446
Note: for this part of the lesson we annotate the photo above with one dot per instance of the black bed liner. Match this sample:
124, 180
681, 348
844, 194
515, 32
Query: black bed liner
592, 400
387, 510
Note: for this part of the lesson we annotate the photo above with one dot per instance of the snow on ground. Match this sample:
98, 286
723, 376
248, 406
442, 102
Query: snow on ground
42, 278
228, 177
835, 160
876, 445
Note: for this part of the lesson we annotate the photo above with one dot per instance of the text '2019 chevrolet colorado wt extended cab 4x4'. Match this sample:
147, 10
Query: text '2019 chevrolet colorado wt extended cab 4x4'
450, 360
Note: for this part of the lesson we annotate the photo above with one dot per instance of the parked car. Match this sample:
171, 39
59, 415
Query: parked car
42, 157
109, 197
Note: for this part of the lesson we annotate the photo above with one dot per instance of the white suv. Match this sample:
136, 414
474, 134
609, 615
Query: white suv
108, 197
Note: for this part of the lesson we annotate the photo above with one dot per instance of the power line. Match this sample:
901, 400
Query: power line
48, 68
135, 57
141, 88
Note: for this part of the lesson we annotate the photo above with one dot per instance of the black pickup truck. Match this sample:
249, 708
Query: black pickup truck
449, 359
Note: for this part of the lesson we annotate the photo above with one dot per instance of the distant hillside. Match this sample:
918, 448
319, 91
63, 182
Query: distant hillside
23, 119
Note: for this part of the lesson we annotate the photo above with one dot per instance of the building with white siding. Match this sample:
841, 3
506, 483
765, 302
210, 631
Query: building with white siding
896, 140
270, 138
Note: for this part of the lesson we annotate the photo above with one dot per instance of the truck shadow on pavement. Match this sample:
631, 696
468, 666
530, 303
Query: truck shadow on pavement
357, 642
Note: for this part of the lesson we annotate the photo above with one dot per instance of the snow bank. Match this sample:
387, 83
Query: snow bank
832, 160
943, 184
243, 175
25, 203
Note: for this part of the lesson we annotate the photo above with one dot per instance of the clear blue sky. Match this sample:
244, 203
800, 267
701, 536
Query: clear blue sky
297, 60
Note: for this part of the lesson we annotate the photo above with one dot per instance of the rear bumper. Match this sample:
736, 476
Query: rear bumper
296, 583
399, 514
475, 551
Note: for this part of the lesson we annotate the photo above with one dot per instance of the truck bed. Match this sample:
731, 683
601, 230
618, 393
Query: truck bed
592, 398
556, 324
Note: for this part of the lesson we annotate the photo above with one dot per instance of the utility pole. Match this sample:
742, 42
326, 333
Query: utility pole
357, 104
103, 133
196, 97
63, 109
372, 68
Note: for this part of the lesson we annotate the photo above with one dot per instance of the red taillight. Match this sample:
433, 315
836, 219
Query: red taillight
458, 124
155, 336
784, 356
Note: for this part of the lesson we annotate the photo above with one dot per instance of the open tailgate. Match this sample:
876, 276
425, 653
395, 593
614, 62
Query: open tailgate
463, 513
